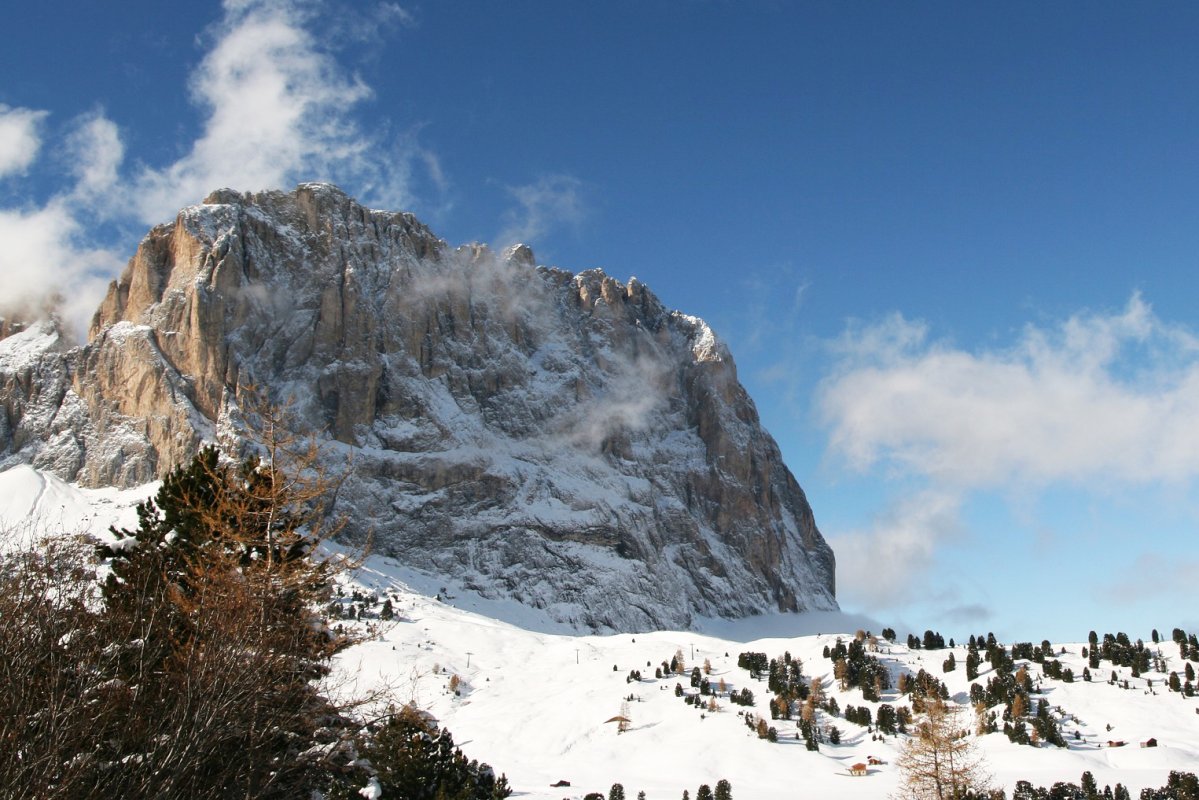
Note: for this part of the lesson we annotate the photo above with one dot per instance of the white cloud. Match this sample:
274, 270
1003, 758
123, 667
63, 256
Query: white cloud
96, 151
45, 259
552, 200
49, 259
1099, 397
889, 564
276, 109
20, 139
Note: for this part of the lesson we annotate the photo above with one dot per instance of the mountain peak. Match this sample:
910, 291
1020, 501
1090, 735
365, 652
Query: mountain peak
563, 440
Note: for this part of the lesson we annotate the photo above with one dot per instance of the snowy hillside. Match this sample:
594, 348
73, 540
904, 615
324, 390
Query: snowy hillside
535, 705
535, 700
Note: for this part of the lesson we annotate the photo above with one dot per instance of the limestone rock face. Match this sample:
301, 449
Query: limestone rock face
563, 440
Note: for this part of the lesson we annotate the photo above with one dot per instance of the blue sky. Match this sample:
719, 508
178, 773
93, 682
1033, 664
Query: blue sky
952, 246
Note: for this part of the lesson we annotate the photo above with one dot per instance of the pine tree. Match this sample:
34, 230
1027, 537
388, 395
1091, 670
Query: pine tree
616, 792
704, 793
724, 790
412, 757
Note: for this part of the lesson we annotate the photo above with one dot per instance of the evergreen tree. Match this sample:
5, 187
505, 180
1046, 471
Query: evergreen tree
704, 793
887, 719
1182, 786
724, 790
616, 792
412, 757
972, 664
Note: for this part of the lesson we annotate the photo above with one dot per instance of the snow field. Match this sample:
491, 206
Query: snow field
535, 697
535, 706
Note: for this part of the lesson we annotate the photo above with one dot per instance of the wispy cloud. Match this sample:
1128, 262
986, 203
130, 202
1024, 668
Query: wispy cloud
95, 151
968, 614
276, 107
550, 201
20, 138
1152, 575
888, 564
1098, 397
363, 25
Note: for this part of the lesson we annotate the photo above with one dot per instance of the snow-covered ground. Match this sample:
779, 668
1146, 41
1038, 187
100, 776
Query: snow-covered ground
534, 700
34, 504
535, 705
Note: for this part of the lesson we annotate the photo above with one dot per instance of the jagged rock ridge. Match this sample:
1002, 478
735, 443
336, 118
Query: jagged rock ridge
562, 439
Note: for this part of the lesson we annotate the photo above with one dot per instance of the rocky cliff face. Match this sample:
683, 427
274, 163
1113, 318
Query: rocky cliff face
564, 440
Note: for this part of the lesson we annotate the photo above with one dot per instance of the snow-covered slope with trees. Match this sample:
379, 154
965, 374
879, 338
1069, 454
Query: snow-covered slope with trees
537, 705
521, 692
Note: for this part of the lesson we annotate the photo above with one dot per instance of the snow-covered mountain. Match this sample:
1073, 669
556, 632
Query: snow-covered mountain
561, 440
